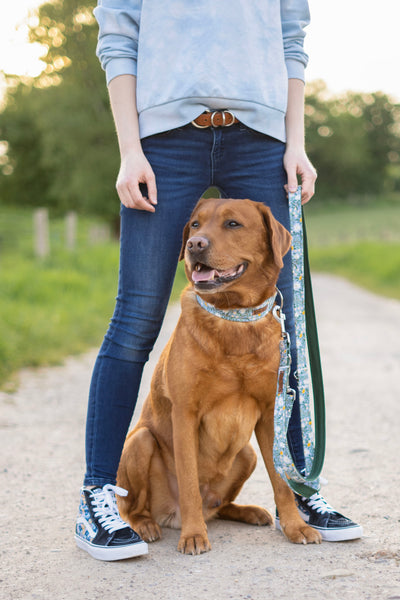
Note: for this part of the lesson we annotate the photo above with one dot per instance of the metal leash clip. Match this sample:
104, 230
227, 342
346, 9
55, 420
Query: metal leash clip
279, 315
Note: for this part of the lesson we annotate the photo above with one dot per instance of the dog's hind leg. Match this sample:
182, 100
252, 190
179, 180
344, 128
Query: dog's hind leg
243, 466
134, 475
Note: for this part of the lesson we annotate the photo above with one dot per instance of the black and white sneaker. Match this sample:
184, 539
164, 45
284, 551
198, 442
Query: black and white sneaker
99, 528
332, 526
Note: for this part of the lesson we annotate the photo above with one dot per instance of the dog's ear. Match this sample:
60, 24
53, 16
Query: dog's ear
279, 237
185, 237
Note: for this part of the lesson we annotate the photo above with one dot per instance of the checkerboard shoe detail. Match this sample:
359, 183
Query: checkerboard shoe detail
99, 528
333, 526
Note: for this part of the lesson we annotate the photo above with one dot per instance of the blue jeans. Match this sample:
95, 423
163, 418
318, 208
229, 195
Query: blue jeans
242, 163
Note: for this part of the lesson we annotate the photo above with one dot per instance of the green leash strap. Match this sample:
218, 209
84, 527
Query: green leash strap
315, 367
306, 342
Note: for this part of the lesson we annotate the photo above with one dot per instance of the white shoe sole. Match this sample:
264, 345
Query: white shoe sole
341, 534
109, 553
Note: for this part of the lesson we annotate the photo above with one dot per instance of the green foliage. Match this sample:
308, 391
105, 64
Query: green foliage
25, 179
62, 149
354, 141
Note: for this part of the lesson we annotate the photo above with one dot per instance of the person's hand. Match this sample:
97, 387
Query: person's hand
297, 163
135, 169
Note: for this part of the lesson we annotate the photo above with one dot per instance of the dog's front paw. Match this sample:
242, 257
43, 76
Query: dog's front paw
301, 533
194, 544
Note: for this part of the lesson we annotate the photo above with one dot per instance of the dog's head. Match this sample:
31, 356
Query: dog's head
233, 249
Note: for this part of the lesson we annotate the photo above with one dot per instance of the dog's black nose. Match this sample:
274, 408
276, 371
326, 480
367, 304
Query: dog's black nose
197, 244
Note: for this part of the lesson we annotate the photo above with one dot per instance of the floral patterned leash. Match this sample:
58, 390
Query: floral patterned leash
306, 483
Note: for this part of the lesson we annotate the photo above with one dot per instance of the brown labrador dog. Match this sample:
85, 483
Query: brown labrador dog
189, 455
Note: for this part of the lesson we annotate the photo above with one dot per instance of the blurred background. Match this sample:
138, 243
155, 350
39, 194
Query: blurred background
59, 211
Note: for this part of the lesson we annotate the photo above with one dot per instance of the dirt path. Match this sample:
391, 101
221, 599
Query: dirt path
41, 429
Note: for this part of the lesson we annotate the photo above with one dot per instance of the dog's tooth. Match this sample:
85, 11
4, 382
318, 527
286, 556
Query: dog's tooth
198, 267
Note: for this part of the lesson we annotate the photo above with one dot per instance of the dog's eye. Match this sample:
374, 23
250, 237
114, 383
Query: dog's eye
195, 224
231, 224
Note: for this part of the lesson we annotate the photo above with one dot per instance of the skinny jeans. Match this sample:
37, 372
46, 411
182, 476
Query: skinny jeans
241, 163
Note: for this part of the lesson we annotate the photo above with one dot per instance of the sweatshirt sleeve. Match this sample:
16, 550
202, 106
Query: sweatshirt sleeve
118, 36
295, 16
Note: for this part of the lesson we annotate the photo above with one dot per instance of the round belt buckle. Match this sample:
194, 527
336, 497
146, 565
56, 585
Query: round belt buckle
228, 112
201, 126
217, 112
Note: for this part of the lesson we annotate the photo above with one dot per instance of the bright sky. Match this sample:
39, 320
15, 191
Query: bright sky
353, 44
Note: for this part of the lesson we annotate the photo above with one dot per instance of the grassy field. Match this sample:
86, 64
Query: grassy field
359, 241
61, 305
335, 224
56, 306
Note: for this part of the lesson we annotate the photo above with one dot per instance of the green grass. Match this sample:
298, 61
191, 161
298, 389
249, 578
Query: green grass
56, 307
334, 223
52, 307
372, 265
358, 240
180, 282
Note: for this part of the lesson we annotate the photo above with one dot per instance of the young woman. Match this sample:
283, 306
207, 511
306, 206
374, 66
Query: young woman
203, 94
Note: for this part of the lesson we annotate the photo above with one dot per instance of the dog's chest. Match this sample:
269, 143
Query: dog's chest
227, 427
238, 380
233, 398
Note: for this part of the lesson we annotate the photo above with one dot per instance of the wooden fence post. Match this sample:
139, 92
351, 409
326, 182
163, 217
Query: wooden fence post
41, 232
70, 230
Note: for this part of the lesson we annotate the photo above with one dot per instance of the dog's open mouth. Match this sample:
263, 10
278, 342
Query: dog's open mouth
207, 277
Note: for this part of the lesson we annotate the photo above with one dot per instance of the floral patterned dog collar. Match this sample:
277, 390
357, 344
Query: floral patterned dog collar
241, 315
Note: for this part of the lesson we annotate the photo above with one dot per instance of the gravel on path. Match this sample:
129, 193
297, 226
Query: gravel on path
42, 449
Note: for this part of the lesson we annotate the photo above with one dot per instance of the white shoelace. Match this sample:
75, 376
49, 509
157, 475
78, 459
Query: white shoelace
105, 507
319, 504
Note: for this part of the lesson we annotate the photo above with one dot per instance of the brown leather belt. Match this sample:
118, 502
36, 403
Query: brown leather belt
217, 118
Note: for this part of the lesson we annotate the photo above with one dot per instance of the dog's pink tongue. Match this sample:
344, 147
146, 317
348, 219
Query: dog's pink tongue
204, 275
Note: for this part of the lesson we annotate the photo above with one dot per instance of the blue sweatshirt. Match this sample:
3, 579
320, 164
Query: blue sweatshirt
189, 56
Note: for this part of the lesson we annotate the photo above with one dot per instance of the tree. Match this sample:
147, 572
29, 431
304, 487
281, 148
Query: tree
25, 180
65, 112
353, 140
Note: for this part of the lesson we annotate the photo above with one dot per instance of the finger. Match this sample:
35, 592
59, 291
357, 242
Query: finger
131, 197
308, 179
307, 190
139, 201
292, 180
124, 196
305, 199
152, 189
